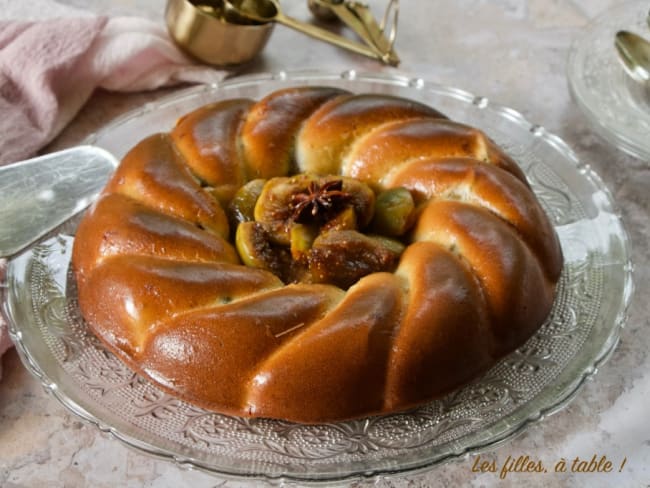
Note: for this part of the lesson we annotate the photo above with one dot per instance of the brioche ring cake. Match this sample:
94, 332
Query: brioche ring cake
315, 256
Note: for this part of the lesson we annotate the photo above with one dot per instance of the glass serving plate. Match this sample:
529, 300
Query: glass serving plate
616, 107
40, 304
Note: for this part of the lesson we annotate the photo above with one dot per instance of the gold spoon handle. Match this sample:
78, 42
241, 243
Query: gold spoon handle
326, 36
358, 17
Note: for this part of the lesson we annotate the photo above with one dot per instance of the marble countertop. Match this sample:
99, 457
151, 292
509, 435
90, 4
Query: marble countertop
512, 51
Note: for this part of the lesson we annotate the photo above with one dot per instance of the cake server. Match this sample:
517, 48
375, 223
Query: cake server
39, 194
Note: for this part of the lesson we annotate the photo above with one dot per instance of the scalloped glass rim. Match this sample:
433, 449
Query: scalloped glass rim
117, 137
616, 107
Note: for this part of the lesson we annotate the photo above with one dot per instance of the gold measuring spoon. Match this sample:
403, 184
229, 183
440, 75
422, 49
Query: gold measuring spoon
358, 17
266, 11
634, 54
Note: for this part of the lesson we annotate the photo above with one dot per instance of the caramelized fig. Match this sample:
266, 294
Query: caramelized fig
394, 212
242, 205
310, 199
256, 249
273, 206
345, 220
343, 257
302, 238
362, 200
253, 246
274, 201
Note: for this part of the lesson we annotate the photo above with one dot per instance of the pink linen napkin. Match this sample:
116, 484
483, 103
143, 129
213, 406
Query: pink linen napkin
49, 69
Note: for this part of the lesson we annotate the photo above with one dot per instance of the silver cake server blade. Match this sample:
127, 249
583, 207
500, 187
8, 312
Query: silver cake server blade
39, 194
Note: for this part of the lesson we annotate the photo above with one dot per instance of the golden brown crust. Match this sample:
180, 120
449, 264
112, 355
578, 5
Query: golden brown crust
148, 290
209, 355
154, 173
485, 185
448, 317
118, 225
335, 368
326, 136
517, 292
208, 140
268, 136
394, 143
162, 287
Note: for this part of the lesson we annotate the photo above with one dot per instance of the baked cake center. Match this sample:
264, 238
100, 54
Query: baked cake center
320, 229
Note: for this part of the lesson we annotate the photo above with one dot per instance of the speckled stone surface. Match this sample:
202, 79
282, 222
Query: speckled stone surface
513, 52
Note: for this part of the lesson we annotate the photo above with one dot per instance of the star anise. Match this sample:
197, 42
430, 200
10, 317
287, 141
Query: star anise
319, 202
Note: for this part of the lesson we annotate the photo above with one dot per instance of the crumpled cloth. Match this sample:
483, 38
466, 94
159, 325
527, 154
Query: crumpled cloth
49, 69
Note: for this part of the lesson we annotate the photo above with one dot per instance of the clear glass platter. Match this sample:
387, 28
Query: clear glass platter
616, 107
538, 379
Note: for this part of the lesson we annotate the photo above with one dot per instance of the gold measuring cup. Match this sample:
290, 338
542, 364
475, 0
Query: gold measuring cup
200, 29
